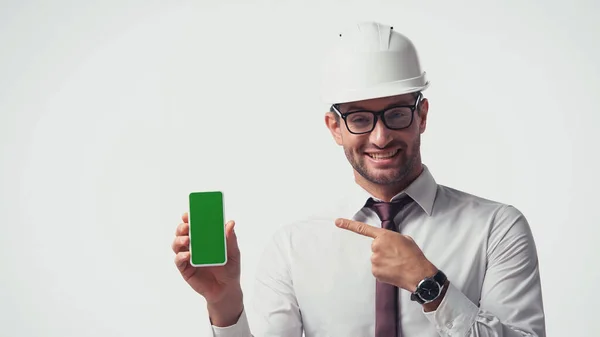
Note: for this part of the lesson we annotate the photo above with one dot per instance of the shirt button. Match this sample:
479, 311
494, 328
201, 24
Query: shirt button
449, 325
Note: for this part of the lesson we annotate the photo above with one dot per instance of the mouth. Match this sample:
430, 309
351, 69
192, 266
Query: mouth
383, 155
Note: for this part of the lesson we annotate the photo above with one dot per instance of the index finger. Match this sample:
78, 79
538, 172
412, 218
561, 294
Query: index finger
358, 227
184, 217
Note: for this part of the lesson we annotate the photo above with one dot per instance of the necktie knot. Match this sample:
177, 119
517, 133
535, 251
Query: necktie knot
386, 211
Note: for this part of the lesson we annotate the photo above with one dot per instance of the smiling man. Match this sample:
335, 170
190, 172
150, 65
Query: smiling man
403, 255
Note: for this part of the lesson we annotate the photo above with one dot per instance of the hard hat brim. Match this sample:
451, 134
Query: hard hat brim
377, 91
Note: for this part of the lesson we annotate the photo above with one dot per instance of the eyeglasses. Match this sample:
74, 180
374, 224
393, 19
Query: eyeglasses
396, 117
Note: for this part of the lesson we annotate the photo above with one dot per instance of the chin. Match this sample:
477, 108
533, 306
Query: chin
383, 178
386, 176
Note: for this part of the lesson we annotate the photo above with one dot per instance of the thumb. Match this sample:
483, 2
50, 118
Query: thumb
232, 245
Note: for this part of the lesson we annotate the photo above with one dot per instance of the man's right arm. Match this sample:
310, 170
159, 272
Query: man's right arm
275, 308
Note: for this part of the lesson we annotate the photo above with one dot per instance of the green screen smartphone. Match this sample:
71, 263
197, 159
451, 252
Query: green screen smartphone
206, 218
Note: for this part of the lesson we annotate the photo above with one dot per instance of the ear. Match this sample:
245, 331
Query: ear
332, 121
422, 113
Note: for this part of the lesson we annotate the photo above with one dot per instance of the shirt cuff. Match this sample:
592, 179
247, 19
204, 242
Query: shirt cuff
455, 315
239, 329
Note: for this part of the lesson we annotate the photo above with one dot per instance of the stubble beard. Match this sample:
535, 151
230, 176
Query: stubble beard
397, 176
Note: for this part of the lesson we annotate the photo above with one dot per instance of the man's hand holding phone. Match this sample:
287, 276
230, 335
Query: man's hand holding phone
219, 285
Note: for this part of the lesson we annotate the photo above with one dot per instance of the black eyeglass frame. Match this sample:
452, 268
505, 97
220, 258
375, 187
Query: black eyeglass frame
379, 114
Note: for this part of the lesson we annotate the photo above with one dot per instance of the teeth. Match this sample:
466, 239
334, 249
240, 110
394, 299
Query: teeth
383, 155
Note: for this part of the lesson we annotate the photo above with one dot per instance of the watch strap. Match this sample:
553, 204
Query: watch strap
440, 278
416, 298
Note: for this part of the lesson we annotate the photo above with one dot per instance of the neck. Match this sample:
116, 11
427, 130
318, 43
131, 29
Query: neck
387, 192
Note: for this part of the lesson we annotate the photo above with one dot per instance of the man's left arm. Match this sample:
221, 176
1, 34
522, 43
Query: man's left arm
511, 297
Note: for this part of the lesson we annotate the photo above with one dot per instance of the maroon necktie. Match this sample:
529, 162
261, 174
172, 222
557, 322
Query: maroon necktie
386, 299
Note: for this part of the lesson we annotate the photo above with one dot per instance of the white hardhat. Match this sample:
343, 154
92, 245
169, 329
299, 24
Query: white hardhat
371, 60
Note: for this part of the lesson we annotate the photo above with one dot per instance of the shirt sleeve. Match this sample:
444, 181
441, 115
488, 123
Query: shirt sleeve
240, 329
275, 310
511, 298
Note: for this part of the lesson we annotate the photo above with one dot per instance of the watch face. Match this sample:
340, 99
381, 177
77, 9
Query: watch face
429, 290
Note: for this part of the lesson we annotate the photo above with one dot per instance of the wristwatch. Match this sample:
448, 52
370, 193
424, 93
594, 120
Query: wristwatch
429, 289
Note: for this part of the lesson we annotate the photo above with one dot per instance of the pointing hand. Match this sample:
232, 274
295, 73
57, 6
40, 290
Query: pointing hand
396, 259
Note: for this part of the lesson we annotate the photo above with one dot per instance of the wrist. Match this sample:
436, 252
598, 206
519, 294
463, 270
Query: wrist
432, 306
431, 289
428, 271
226, 311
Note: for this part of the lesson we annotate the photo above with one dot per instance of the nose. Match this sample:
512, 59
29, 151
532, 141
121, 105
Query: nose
381, 135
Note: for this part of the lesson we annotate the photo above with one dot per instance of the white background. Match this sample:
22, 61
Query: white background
112, 112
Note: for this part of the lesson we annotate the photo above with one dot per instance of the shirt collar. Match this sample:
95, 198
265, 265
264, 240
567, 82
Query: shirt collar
422, 190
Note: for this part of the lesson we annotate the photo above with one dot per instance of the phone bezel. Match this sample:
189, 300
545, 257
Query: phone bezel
190, 230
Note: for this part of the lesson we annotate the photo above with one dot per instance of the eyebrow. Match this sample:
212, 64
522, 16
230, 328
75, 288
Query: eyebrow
401, 102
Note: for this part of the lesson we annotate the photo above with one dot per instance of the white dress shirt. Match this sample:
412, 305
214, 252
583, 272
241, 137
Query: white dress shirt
315, 278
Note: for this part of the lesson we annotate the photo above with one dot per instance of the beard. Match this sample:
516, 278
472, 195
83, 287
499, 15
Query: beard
408, 159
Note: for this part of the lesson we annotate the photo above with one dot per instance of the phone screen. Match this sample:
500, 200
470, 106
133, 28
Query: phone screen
207, 229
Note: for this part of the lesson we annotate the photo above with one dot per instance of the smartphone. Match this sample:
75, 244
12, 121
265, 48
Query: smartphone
206, 217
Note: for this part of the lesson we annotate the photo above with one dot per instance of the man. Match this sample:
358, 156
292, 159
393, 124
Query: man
403, 256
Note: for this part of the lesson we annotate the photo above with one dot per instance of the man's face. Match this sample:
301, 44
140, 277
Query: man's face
383, 156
